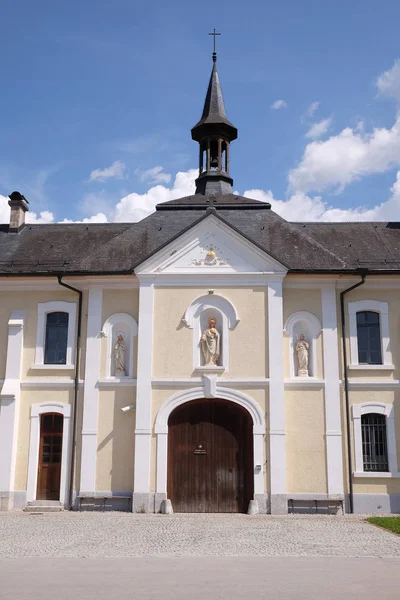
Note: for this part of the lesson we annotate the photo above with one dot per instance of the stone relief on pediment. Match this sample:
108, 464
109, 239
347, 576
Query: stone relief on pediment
210, 259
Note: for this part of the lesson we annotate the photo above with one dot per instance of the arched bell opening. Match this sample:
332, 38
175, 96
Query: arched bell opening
214, 155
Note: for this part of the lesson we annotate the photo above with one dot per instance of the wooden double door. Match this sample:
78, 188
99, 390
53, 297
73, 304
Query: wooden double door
210, 457
50, 454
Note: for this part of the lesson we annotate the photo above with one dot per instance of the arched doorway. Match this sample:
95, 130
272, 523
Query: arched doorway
210, 457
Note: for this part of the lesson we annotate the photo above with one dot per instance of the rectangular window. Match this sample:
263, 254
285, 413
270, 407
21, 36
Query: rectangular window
56, 338
369, 338
374, 442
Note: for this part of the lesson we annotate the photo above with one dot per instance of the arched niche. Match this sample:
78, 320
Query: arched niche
303, 322
120, 323
196, 317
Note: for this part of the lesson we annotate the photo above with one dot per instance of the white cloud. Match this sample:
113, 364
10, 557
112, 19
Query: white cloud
4, 210
278, 104
319, 129
311, 109
114, 171
301, 207
44, 217
346, 157
135, 207
154, 175
388, 83
98, 218
30, 217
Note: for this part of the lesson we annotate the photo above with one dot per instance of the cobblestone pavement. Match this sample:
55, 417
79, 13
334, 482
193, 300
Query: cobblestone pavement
124, 534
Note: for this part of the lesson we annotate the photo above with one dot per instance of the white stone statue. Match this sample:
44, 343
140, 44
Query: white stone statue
210, 344
302, 347
119, 356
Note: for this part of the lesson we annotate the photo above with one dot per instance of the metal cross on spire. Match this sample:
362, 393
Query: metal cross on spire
214, 33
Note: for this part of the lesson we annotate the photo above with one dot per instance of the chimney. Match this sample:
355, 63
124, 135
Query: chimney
19, 206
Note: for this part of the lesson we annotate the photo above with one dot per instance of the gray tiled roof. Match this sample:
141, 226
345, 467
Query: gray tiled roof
119, 247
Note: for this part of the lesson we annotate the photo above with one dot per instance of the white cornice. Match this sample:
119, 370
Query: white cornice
82, 283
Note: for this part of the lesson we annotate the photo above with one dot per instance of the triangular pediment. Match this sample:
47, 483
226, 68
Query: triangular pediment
211, 247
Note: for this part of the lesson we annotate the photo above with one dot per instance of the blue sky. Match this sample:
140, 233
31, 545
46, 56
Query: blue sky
98, 99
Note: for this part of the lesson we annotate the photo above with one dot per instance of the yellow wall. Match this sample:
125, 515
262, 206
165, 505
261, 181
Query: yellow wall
248, 354
305, 441
115, 450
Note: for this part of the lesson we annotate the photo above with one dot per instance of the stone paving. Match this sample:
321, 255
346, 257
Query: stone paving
112, 534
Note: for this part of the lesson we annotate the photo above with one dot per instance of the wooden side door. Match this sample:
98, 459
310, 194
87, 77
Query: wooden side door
50, 454
210, 450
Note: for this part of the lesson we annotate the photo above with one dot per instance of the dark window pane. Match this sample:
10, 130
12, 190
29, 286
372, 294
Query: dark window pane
374, 442
369, 338
56, 338
361, 318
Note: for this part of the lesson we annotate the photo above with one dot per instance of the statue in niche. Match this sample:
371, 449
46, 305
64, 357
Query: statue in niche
119, 356
302, 347
210, 344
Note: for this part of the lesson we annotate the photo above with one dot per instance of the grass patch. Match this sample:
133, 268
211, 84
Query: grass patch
391, 523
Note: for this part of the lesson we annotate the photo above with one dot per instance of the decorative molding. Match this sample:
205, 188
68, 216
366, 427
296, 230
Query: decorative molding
376, 475
210, 280
211, 300
141, 483
83, 282
55, 384
277, 438
44, 308
33, 462
161, 430
304, 382
381, 409
161, 424
251, 382
302, 315
388, 367
91, 390
10, 400
225, 311
115, 382
383, 309
333, 423
373, 384
241, 255
108, 329
312, 329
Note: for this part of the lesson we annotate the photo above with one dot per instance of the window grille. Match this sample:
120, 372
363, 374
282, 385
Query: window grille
369, 338
56, 338
374, 442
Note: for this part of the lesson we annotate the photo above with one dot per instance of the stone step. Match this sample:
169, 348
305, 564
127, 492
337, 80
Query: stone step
44, 503
36, 506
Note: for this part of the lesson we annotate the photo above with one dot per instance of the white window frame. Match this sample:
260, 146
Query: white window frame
44, 308
382, 308
33, 462
381, 409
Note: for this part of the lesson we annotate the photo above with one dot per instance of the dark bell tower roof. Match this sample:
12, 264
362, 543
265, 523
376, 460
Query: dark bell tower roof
213, 119
214, 133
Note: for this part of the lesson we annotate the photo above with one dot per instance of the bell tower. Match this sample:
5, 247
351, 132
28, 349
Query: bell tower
214, 133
